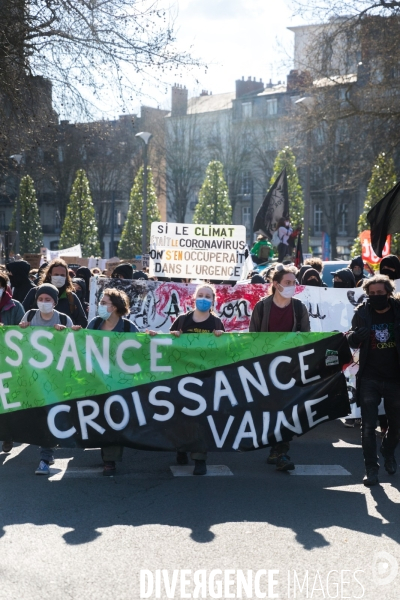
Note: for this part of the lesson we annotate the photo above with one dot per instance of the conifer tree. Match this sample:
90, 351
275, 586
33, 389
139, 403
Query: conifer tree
30, 234
286, 158
130, 244
213, 206
80, 226
383, 178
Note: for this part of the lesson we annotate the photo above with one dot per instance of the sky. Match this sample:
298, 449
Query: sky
234, 38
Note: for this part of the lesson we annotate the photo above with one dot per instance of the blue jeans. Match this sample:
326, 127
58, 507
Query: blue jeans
371, 393
46, 454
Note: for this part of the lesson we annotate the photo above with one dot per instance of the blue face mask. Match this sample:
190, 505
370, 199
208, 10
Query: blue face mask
103, 312
203, 304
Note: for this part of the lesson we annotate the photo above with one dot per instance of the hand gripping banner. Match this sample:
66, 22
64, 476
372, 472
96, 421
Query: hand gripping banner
196, 392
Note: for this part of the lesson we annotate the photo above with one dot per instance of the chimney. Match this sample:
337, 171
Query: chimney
251, 86
179, 100
298, 80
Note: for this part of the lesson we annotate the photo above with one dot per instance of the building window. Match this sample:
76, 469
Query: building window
272, 107
246, 216
246, 183
246, 110
57, 222
318, 215
342, 219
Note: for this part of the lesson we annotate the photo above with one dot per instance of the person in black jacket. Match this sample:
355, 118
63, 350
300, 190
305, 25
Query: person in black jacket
68, 302
18, 273
343, 278
375, 330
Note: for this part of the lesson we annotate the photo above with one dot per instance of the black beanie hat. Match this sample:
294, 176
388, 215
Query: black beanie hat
49, 289
125, 269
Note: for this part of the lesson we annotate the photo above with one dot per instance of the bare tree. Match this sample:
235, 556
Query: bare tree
184, 163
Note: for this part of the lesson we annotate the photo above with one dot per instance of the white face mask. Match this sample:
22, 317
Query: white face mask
58, 280
287, 292
45, 307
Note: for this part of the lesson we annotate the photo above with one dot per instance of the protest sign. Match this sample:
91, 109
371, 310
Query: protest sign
32, 259
367, 252
74, 251
199, 393
185, 250
156, 305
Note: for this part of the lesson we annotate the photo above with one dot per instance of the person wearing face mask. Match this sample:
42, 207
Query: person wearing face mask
57, 274
20, 282
112, 310
280, 312
123, 271
45, 315
312, 277
343, 278
390, 266
199, 320
357, 267
375, 330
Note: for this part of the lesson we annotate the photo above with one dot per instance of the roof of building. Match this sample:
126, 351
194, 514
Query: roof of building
335, 80
279, 88
211, 103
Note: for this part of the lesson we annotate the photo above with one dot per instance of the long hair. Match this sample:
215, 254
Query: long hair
45, 276
279, 274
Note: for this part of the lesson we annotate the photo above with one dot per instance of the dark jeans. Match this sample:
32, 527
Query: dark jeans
283, 250
371, 393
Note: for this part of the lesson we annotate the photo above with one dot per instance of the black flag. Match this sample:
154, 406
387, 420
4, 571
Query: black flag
298, 261
384, 218
275, 206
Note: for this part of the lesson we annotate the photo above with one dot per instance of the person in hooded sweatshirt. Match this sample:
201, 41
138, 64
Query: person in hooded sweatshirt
68, 302
19, 279
85, 274
390, 266
301, 272
80, 290
123, 271
343, 278
312, 277
357, 267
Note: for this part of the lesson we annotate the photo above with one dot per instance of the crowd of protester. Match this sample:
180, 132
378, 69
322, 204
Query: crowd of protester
56, 295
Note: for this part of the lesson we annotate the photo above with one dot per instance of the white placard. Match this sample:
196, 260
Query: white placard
188, 251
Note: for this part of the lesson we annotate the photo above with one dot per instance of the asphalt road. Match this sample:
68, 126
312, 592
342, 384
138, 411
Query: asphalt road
82, 536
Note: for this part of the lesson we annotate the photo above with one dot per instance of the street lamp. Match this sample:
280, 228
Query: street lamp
145, 136
18, 159
307, 103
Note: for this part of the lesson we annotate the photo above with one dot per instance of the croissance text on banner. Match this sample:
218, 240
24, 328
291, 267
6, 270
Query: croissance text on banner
197, 392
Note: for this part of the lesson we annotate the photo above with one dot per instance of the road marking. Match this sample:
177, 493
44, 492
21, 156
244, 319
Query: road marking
370, 501
57, 471
319, 470
343, 444
14, 452
212, 471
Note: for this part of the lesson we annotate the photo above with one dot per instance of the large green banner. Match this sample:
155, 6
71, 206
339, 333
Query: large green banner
197, 392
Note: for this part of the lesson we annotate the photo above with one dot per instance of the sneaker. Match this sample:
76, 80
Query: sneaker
349, 422
371, 477
182, 458
390, 464
284, 463
273, 457
200, 467
43, 469
109, 468
7, 446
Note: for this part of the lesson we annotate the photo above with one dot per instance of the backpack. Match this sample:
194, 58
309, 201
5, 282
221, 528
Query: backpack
264, 252
33, 311
298, 311
99, 320
276, 240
